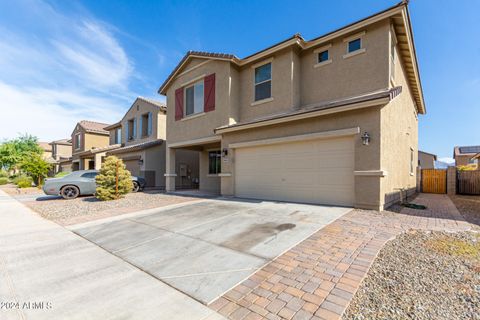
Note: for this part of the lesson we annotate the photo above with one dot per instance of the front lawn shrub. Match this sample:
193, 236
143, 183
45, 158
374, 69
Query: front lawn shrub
24, 182
107, 180
3, 174
3, 180
16, 178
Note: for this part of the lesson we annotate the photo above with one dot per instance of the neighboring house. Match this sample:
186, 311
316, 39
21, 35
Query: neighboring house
333, 120
141, 134
426, 160
47, 151
90, 142
62, 154
466, 155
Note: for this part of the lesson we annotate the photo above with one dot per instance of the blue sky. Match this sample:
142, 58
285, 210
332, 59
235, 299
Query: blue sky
63, 61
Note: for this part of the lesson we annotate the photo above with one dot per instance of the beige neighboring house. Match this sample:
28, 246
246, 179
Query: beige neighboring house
141, 134
47, 151
426, 160
62, 155
332, 120
466, 155
90, 142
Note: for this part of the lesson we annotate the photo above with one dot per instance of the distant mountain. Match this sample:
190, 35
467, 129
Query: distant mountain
443, 165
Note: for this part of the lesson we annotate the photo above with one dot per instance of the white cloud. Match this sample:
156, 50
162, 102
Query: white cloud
58, 70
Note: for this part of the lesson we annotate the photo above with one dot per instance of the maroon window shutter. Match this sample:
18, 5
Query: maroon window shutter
209, 94
178, 104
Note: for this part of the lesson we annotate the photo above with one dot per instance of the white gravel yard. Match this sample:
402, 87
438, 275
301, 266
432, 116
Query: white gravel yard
422, 275
83, 209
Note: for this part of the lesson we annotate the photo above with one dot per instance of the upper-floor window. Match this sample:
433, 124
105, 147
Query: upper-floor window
118, 135
78, 138
194, 98
146, 124
354, 45
323, 56
263, 82
131, 129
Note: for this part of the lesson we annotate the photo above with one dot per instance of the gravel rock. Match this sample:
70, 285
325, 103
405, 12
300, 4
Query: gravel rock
82, 209
422, 275
469, 207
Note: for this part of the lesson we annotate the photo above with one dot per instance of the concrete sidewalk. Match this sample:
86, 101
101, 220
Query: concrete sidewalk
47, 272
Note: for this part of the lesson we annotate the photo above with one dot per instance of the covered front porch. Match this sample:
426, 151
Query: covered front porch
182, 159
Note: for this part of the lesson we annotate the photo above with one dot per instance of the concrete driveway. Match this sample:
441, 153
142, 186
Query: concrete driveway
206, 248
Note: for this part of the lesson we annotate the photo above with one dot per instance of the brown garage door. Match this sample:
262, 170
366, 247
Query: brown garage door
133, 167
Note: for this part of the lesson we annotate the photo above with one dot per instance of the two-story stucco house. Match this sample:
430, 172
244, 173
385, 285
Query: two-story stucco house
332, 120
61, 153
465, 155
90, 142
141, 134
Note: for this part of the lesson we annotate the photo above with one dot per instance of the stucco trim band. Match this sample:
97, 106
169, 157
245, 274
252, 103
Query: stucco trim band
372, 173
169, 174
195, 142
225, 174
305, 115
301, 137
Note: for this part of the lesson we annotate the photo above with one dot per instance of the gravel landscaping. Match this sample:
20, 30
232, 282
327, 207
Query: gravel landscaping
83, 209
469, 207
422, 275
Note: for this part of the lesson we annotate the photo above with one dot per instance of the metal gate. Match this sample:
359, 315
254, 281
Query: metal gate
468, 182
434, 181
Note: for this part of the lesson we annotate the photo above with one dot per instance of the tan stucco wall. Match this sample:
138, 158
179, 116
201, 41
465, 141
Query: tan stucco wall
399, 136
63, 151
201, 126
462, 160
95, 141
426, 161
208, 183
359, 74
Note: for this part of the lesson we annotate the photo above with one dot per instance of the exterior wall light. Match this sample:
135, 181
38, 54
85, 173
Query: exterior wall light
224, 152
140, 162
365, 138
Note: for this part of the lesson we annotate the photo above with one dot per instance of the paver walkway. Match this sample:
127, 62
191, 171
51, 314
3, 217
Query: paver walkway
48, 272
318, 278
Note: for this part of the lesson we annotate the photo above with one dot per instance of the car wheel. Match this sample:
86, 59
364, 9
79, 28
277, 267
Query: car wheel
70, 192
136, 186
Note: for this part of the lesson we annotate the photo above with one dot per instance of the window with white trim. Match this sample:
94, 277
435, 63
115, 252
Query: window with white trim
323, 56
393, 44
78, 140
194, 98
263, 82
118, 135
354, 45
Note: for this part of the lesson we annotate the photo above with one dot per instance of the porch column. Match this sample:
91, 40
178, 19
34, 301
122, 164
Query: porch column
170, 173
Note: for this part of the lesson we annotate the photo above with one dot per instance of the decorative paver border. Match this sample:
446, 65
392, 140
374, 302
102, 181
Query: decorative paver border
318, 278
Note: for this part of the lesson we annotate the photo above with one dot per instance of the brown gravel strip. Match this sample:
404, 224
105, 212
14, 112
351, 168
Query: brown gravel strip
422, 275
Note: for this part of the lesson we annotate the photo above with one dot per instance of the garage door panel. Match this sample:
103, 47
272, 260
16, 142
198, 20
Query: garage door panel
317, 171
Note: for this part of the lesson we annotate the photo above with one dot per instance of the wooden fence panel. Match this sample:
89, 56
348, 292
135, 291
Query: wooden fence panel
468, 182
434, 181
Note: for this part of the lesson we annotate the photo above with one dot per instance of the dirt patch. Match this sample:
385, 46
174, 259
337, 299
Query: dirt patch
469, 207
12, 189
422, 275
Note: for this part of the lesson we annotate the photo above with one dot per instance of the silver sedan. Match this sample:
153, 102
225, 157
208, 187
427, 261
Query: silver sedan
80, 183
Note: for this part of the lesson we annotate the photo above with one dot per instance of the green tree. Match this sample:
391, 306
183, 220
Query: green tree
113, 180
35, 166
13, 152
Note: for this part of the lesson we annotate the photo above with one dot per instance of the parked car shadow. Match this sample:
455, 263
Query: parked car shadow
46, 198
